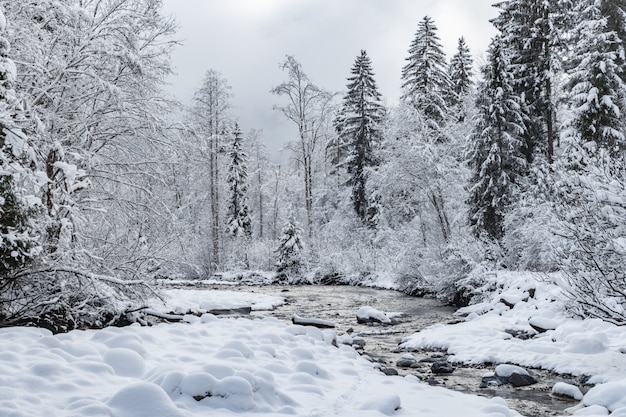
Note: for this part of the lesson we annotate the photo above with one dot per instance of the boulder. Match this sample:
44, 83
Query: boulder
367, 315
407, 361
442, 368
518, 380
389, 371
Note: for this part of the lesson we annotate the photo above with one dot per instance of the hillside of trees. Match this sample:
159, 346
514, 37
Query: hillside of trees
107, 184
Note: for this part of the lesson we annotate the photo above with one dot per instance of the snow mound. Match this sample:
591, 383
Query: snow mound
368, 314
506, 371
143, 399
610, 395
567, 390
125, 362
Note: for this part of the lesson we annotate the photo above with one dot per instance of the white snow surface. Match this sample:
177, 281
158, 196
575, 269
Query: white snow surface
575, 346
230, 366
567, 390
202, 300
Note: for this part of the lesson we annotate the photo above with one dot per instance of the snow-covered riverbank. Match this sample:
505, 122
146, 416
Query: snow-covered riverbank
231, 366
523, 322
262, 367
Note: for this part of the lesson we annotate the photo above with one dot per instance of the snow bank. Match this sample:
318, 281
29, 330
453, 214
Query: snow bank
566, 345
198, 300
217, 366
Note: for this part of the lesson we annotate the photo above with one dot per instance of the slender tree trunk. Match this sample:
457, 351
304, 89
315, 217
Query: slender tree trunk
436, 198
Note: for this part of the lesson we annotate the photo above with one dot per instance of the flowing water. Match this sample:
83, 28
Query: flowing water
339, 305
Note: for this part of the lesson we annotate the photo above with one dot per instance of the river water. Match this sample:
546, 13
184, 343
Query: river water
339, 304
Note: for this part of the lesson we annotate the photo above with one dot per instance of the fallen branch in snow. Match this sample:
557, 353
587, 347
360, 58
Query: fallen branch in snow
322, 324
165, 316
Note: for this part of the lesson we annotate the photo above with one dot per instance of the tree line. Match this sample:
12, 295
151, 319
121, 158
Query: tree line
107, 184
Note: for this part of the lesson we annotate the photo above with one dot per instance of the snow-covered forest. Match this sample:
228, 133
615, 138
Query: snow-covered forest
108, 184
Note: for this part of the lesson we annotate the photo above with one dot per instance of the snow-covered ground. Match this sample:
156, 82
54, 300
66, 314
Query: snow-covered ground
209, 366
261, 367
568, 346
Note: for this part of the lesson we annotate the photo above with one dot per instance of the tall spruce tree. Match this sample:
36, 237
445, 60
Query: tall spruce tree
359, 131
532, 31
425, 81
597, 89
495, 156
461, 74
238, 217
460, 69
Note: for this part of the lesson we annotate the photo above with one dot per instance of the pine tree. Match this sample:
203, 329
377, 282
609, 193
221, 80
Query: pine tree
238, 218
596, 85
17, 240
359, 131
495, 147
425, 81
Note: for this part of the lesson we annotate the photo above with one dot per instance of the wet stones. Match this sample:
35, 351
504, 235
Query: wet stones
407, 361
441, 368
508, 374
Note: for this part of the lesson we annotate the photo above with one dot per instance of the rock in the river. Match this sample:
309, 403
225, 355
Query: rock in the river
490, 380
366, 315
442, 368
564, 390
389, 371
518, 380
407, 361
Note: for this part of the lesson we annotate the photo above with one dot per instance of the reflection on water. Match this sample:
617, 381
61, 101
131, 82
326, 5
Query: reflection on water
339, 305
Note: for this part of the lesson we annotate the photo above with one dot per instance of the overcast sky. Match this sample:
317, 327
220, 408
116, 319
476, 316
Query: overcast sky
245, 40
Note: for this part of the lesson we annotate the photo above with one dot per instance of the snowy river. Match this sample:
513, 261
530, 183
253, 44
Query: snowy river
339, 305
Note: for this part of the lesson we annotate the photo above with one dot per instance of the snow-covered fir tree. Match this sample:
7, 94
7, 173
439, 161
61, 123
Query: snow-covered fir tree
238, 217
425, 81
461, 77
532, 31
359, 131
460, 70
290, 248
596, 84
495, 147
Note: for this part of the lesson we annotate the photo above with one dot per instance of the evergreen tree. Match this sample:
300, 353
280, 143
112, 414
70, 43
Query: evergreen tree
359, 131
17, 239
495, 148
290, 248
425, 81
597, 89
532, 31
460, 70
238, 218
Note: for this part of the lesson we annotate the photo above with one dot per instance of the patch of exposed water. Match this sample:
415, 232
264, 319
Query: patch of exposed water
339, 305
